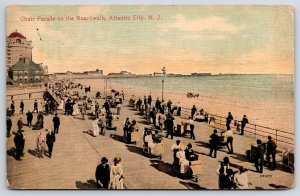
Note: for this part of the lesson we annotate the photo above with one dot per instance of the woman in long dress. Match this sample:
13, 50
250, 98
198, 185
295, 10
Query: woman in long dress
75, 109
116, 174
96, 127
183, 162
61, 105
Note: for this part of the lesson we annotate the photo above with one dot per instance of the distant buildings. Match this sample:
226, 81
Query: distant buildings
78, 75
201, 74
121, 74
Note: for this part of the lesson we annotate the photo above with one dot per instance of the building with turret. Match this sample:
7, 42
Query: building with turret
17, 46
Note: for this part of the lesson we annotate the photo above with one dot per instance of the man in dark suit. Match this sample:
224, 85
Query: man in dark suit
228, 120
170, 125
19, 141
21, 106
259, 156
244, 122
8, 126
50, 139
271, 152
29, 118
194, 109
56, 123
103, 174
214, 143
35, 107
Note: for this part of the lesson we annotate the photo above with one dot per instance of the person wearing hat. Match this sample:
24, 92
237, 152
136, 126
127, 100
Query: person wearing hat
259, 156
29, 118
50, 139
19, 141
20, 124
214, 143
12, 107
241, 179
271, 151
228, 120
183, 162
244, 122
116, 174
8, 126
103, 174
56, 123
21, 107
35, 107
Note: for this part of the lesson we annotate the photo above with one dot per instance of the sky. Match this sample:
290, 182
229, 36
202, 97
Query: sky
183, 39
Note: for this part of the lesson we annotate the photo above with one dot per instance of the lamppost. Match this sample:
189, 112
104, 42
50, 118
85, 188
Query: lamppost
162, 82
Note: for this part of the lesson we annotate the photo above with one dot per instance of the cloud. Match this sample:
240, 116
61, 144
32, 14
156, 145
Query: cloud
212, 23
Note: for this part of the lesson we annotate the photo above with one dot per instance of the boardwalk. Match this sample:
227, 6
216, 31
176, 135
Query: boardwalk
76, 154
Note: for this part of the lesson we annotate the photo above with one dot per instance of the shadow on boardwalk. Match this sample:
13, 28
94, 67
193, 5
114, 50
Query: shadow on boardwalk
89, 184
11, 152
191, 185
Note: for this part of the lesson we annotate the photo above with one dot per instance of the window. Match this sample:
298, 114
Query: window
18, 41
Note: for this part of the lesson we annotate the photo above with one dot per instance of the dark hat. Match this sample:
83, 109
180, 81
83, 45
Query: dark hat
104, 160
189, 145
269, 137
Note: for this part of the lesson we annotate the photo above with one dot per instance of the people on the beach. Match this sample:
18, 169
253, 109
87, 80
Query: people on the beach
271, 152
244, 122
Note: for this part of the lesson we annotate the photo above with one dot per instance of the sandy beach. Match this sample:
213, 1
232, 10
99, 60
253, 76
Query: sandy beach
264, 113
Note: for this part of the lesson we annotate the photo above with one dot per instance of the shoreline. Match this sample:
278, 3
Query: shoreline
257, 112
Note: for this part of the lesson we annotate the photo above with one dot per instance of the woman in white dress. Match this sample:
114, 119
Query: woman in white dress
96, 127
61, 105
241, 179
116, 174
75, 109
183, 162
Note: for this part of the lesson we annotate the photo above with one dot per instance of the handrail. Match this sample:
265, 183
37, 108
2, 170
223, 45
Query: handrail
257, 130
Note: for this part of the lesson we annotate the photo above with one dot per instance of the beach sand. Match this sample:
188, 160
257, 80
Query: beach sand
265, 113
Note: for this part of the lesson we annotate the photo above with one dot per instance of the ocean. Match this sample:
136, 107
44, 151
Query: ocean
258, 87
267, 99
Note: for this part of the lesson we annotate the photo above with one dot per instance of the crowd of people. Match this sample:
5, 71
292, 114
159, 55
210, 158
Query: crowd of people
159, 113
